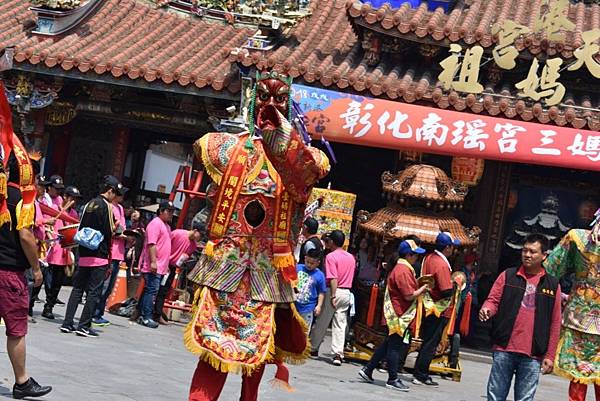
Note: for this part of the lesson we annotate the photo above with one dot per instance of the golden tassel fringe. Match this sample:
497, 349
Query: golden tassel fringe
290, 357
208, 356
209, 249
25, 216
5, 218
281, 385
281, 261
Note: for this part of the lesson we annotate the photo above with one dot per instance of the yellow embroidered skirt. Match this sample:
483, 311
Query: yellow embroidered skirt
236, 334
578, 356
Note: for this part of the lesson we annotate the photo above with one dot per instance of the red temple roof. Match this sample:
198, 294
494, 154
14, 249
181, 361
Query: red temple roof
133, 40
472, 23
127, 38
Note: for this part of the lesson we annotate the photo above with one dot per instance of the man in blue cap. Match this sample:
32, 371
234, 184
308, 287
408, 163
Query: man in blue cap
399, 311
435, 264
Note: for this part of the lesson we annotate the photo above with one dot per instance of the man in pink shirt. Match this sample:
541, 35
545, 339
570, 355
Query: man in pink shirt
155, 260
117, 256
339, 267
525, 304
183, 245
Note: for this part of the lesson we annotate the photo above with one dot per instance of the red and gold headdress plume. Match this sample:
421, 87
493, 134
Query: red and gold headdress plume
35, 155
10, 143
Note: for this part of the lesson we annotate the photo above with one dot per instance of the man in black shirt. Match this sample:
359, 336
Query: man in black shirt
93, 263
18, 252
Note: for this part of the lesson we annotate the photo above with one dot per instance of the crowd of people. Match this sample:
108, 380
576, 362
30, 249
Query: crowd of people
524, 305
524, 302
111, 237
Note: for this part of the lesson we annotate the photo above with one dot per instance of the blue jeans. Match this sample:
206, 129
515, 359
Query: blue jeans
151, 286
107, 289
393, 349
308, 319
525, 369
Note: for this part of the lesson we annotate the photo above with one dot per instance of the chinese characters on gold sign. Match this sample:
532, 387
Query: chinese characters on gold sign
545, 87
463, 76
469, 70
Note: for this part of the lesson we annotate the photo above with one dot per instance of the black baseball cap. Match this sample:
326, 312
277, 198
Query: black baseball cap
114, 183
122, 189
56, 181
42, 180
73, 191
166, 205
111, 181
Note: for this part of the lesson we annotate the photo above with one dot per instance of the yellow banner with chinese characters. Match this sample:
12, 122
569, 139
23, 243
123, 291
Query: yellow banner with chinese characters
229, 190
336, 211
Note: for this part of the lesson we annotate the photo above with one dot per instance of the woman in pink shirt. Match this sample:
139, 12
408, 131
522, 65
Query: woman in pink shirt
39, 231
117, 255
183, 244
59, 258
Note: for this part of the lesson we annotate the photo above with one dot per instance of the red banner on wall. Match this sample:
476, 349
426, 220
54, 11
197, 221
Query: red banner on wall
120, 143
358, 120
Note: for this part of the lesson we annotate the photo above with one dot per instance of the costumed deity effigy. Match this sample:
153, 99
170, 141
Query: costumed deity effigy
578, 353
243, 312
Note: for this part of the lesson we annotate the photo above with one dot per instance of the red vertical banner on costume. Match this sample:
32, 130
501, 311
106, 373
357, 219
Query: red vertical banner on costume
120, 142
359, 120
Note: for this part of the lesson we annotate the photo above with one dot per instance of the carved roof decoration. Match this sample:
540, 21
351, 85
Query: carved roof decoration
424, 182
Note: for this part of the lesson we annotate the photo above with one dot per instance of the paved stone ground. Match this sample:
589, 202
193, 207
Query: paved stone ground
130, 362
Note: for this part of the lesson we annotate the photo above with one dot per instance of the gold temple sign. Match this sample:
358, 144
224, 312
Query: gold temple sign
505, 53
585, 53
555, 21
468, 76
545, 87
463, 76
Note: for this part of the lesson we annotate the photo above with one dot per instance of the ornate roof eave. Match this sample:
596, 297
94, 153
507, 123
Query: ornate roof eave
130, 40
192, 90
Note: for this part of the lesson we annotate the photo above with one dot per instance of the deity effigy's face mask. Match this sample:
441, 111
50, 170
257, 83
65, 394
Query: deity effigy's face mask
271, 94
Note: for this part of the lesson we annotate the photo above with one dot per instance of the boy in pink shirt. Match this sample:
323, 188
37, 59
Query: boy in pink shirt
155, 260
183, 244
117, 256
